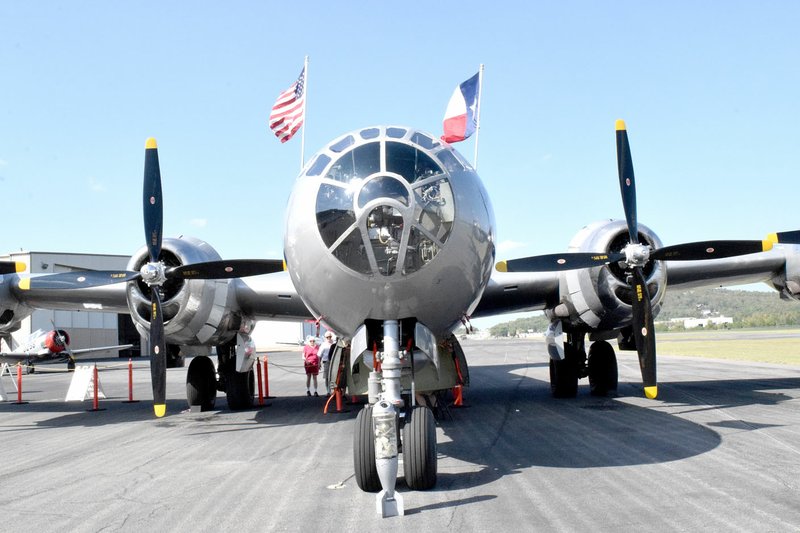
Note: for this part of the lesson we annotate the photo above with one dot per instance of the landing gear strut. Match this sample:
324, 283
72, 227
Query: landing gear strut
376, 443
564, 374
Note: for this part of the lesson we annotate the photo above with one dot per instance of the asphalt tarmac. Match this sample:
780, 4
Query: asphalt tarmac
718, 451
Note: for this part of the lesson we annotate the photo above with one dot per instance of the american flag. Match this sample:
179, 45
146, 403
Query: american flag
286, 116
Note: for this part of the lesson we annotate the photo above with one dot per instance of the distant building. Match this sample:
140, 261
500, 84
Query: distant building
691, 323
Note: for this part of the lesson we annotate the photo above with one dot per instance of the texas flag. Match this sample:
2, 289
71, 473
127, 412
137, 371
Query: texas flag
460, 119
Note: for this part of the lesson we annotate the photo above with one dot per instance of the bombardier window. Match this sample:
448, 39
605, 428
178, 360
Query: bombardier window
383, 187
409, 162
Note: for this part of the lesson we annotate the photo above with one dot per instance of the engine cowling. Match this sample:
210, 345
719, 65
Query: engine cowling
196, 312
56, 341
599, 299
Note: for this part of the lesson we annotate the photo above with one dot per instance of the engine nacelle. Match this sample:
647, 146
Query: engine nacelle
599, 299
196, 312
12, 312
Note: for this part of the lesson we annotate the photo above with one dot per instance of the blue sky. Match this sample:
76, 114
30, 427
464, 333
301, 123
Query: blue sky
708, 90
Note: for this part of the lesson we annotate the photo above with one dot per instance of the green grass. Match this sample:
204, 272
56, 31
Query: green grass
757, 345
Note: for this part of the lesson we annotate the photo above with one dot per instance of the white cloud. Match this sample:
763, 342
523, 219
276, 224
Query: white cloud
507, 246
199, 222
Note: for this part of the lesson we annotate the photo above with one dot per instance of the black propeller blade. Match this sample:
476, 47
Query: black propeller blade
644, 332
152, 200
11, 267
158, 355
556, 262
627, 183
236, 268
79, 280
709, 250
153, 225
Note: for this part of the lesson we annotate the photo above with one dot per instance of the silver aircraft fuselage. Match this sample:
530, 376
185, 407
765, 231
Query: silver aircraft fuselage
389, 223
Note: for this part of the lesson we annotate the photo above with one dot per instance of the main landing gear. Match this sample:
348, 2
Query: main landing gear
600, 367
202, 384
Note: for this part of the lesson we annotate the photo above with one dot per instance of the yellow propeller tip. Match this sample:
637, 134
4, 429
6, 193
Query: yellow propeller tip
620, 125
25, 284
285, 268
19, 267
501, 266
651, 392
769, 242
150, 143
160, 409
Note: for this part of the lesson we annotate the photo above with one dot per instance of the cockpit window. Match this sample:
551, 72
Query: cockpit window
410, 162
319, 165
342, 144
358, 163
424, 141
385, 207
370, 133
335, 213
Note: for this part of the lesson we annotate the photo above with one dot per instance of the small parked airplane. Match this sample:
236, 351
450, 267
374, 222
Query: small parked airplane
50, 346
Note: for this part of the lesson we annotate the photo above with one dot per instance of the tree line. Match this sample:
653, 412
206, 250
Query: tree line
749, 309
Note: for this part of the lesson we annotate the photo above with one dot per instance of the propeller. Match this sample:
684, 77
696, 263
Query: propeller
635, 256
154, 273
11, 267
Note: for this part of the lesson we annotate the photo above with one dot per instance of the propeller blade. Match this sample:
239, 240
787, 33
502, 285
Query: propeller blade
785, 237
710, 250
152, 200
78, 280
644, 332
236, 268
158, 355
627, 183
11, 267
557, 262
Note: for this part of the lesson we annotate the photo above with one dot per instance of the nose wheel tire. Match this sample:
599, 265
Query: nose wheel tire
419, 449
364, 453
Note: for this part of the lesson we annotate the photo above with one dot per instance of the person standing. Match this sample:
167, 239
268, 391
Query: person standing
325, 356
311, 363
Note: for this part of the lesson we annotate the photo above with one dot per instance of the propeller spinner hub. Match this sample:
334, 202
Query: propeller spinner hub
637, 255
153, 273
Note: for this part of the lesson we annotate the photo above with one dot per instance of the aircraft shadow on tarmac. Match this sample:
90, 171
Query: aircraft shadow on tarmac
514, 424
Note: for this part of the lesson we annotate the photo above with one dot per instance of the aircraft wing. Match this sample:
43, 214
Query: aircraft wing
772, 267
13, 358
513, 292
85, 351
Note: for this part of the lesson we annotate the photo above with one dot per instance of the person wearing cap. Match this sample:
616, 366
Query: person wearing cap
311, 363
325, 357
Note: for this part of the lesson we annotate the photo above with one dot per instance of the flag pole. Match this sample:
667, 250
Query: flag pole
478, 116
305, 117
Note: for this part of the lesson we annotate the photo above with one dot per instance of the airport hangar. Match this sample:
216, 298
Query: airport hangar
93, 328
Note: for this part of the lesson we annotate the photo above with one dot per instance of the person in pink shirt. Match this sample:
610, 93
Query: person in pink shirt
311, 363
